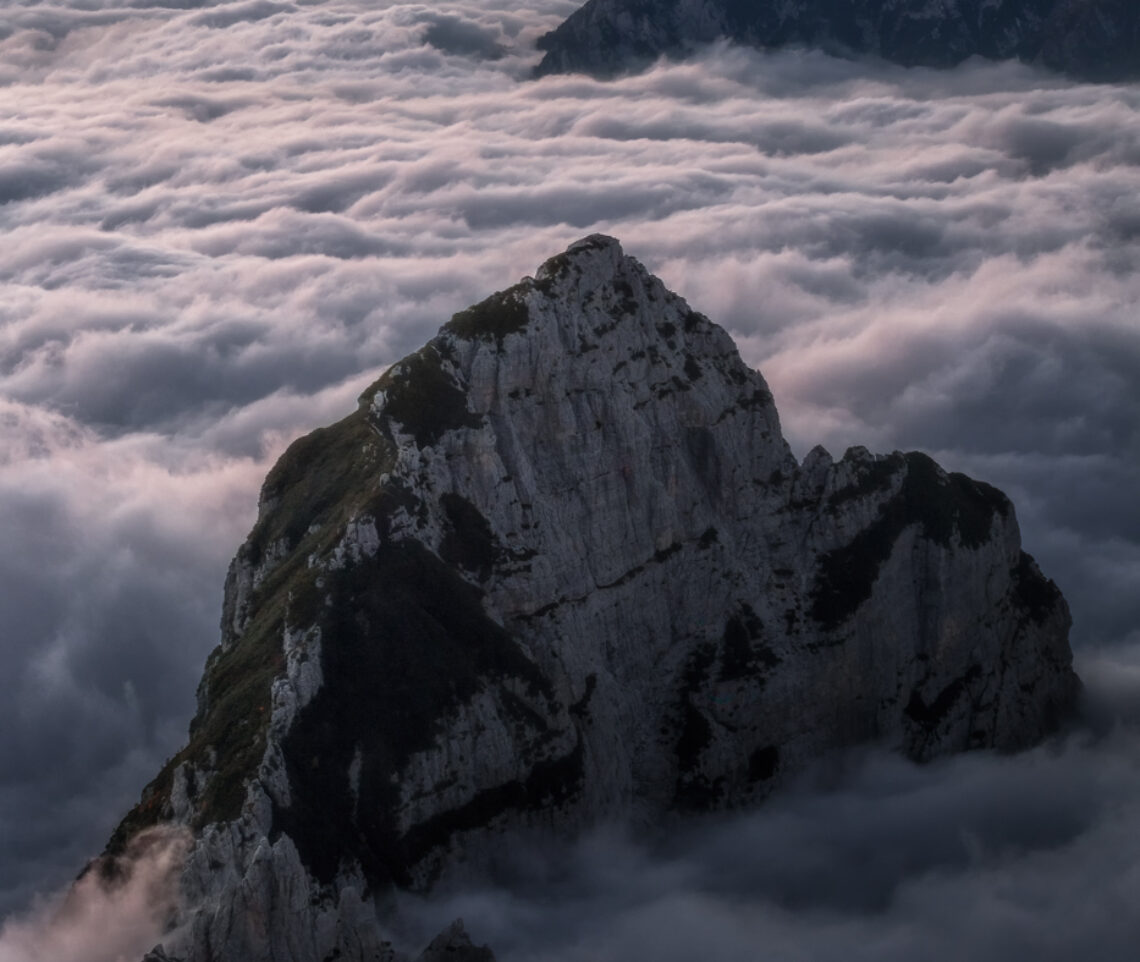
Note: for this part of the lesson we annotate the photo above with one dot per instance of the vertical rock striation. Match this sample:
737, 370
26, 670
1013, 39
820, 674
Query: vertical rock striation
561, 566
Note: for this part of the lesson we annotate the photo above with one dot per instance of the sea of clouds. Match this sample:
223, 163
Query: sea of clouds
221, 220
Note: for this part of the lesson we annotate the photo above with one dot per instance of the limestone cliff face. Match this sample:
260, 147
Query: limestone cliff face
561, 566
1090, 39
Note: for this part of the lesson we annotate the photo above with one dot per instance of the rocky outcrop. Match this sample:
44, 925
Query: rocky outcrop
454, 945
560, 566
1089, 39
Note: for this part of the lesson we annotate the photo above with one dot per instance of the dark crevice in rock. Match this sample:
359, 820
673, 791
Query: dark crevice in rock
314, 478
405, 641
743, 651
694, 791
931, 716
550, 784
945, 506
580, 708
763, 763
468, 541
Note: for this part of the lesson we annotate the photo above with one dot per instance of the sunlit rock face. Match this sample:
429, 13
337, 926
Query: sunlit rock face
1091, 39
561, 567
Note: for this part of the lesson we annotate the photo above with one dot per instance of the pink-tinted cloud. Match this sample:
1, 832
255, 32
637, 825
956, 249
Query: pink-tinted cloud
115, 912
220, 222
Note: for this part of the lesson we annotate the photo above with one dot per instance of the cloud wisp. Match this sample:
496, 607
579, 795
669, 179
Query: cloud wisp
223, 219
116, 911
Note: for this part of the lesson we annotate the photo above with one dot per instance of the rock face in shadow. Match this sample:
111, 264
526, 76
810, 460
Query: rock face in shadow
1087, 39
559, 567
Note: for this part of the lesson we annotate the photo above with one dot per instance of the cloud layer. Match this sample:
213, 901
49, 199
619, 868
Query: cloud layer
223, 219
868, 858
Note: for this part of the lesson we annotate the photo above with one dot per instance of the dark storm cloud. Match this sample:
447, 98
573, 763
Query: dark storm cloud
222, 220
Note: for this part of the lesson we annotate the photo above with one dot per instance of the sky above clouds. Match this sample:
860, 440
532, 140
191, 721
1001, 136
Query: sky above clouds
221, 220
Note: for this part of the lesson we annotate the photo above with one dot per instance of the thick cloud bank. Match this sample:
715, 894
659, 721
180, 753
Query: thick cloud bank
114, 913
221, 219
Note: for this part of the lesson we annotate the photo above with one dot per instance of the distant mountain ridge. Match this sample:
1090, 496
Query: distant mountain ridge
1087, 39
560, 567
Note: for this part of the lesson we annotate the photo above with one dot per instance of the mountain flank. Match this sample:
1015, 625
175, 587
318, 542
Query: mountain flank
1095, 40
560, 567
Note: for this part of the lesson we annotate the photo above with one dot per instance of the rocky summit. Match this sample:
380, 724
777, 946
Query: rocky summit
561, 567
1088, 39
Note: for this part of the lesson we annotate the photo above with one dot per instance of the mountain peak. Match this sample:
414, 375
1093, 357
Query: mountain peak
561, 567
595, 253
592, 322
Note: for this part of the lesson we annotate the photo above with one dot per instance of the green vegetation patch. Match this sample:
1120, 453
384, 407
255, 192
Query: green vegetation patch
319, 479
150, 810
424, 398
318, 484
503, 313
231, 731
944, 505
555, 268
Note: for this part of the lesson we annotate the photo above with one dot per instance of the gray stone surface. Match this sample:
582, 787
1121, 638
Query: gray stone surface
561, 567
